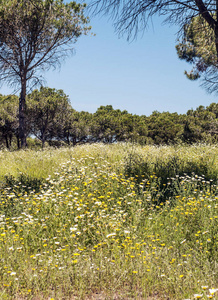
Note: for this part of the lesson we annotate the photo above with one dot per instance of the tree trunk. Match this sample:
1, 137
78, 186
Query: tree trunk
43, 142
10, 140
22, 114
68, 137
216, 32
6, 140
18, 141
74, 141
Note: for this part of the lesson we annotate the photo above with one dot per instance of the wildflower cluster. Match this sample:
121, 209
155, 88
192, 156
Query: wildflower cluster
91, 227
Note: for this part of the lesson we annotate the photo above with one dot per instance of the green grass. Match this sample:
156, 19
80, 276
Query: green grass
104, 221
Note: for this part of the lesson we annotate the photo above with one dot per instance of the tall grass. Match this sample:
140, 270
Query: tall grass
98, 226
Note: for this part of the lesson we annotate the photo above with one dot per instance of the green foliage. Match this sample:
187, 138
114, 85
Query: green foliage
52, 120
23, 183
161, 169
175, 164
165, 128
47, 110
8, 119
202, 124
79, 128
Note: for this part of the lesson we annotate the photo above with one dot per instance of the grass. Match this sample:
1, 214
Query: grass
109, 222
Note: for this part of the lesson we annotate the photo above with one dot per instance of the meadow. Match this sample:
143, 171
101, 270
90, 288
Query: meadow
118, 221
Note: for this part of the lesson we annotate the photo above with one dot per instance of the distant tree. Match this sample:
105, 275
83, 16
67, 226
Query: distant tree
140, 130
165, 128
35, 35
113, 125
202, 124
213, 130
80, 128
105, 123
131, 128
192, 131
64, 126
8, 119
48, 111
213, 107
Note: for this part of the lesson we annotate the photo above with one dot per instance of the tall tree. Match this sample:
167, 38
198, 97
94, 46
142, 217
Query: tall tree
35, 35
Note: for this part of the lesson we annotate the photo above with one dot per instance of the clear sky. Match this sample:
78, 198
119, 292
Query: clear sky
140, 77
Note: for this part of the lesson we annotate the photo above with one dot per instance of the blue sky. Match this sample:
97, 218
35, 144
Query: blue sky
140, 77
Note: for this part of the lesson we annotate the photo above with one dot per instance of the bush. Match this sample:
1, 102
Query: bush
23, 183
166, 169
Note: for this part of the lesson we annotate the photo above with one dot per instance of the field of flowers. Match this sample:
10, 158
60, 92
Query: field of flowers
109, 222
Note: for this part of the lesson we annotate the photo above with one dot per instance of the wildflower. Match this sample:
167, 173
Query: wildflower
111, 234
213, 291
198, 296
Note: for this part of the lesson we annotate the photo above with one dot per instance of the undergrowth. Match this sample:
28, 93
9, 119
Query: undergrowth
111, 222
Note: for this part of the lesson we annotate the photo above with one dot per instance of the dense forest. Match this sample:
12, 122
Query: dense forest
51, 120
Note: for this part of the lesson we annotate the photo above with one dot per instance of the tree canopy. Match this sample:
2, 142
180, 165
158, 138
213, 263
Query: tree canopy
197, 47
51, 120
47, 111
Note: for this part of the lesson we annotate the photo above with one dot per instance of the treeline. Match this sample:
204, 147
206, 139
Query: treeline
52, 120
